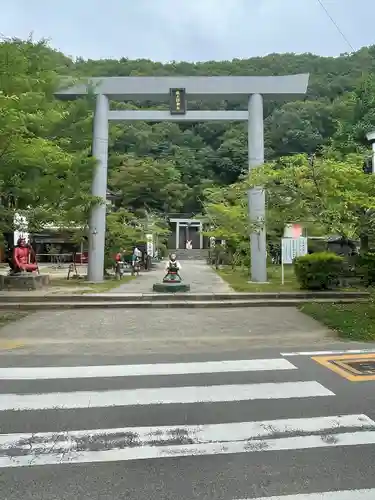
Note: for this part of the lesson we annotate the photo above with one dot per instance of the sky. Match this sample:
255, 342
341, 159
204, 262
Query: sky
190, 30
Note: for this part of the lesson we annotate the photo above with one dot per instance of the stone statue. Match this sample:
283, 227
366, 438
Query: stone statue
172, 268
22, 256
172, 281
189, 245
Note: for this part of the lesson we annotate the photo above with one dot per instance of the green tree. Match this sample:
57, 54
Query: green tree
145, 183
355, 115
299, 127
225, 208
123, 231
334, 195
39, 176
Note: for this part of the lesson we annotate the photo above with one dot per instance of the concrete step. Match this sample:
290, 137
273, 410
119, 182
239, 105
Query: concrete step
180, 297
194, 254
43, 305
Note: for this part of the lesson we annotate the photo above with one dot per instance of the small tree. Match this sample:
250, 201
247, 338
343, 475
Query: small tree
227, 213
123, 230
334, 195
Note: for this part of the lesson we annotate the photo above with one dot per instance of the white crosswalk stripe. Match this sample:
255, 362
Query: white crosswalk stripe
64, 372
87, 446
328, 353
329, 495
136, 443
162, 395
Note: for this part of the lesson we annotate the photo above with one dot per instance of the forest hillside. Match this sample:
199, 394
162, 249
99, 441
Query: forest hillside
166, 166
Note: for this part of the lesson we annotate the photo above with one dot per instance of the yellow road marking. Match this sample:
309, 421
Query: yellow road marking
343, 369
6, 345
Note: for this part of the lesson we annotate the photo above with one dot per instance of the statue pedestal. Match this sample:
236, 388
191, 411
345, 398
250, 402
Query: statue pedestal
24, 281
172, 283
171, 287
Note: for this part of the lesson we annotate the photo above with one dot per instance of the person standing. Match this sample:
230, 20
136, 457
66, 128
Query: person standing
136, 260
118, 265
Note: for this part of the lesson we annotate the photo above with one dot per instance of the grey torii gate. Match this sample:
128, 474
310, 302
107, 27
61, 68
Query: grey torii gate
179, 89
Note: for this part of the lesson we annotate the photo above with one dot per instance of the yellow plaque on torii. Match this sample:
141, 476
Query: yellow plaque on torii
177, 102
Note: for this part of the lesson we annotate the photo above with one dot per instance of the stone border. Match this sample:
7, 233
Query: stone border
42, 305
182, 297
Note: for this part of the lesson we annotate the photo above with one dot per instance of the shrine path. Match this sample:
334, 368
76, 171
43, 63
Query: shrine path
160, 332
197, 273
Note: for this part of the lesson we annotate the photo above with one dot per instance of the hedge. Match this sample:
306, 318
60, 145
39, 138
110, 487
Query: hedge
319, 271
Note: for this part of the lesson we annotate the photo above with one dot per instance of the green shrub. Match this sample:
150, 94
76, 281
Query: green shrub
366, 267
319, 271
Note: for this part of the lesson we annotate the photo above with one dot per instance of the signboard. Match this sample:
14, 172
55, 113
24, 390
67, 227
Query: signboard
21, 228
150, 245
177, 102
290, 249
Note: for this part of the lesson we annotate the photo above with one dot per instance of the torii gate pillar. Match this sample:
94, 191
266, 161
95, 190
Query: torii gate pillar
97, 225
256, 196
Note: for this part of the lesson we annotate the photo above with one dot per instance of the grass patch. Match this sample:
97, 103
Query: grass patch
87, 287
238, 279
351, 321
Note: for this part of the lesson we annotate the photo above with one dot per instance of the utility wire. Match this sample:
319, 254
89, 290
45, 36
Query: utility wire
320, 2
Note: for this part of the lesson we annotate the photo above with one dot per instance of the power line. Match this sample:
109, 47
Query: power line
320, 2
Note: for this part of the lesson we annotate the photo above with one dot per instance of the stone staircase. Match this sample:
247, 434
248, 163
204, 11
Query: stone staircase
194, 254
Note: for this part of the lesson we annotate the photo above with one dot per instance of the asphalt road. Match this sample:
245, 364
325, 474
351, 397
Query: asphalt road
262, 424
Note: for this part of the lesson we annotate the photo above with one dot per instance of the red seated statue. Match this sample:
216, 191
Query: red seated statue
21, 257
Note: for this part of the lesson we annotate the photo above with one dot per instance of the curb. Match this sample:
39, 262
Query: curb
147, 304
181, 297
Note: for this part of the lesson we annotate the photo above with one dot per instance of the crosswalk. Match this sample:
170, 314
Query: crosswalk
57, 390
